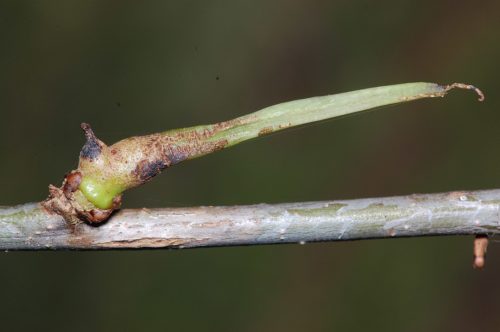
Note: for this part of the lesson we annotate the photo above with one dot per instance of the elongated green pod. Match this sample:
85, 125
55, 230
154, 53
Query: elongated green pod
93, 191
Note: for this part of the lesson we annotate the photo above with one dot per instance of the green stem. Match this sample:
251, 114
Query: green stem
298, 112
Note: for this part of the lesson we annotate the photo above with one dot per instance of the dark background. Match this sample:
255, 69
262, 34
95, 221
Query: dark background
132, 68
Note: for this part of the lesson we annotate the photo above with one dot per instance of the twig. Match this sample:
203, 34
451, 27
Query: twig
31, 227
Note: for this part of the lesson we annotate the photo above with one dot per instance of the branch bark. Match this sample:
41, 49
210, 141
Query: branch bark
31, 227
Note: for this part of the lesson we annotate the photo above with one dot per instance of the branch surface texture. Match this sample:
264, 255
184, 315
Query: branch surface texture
32, 227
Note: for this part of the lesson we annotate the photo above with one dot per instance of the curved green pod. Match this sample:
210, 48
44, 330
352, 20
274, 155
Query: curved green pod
93, 191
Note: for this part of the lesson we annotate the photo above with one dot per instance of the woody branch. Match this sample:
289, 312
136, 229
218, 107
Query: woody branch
31, 227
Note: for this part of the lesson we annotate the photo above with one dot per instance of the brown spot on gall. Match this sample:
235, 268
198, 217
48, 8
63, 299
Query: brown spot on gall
146, 169
265, 131
95, 216
117, 202
71, 183
220, 145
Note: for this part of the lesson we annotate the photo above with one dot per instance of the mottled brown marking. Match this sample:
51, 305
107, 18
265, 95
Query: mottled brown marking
95, 216
177, 156
284, 126
146, 169
265, 131
117, 202
71, 183
197, 133
175, 153
221, 126
220, 145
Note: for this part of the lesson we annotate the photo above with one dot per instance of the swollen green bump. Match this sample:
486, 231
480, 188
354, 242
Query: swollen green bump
100, 193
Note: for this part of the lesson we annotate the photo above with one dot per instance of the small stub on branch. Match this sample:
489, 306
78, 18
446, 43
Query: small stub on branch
480, 247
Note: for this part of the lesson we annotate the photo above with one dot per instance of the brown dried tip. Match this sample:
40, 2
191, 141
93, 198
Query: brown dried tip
465, 86
89, 134
93, 146
480, 246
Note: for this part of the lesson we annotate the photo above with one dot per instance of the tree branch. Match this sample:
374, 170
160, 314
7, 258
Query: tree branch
31, 227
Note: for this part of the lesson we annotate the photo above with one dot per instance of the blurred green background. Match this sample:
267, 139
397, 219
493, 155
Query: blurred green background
132, 68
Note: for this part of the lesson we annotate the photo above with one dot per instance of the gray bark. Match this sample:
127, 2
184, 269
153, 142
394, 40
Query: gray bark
30, 227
